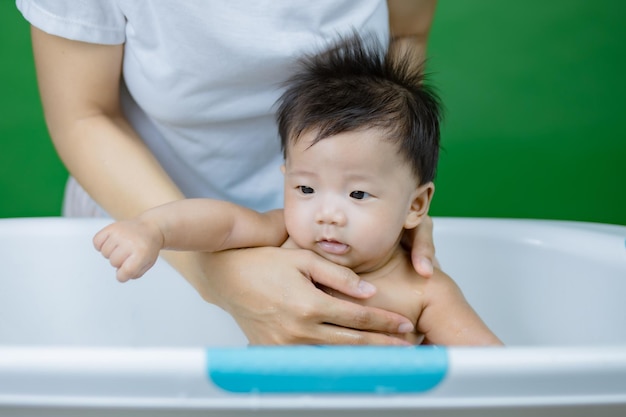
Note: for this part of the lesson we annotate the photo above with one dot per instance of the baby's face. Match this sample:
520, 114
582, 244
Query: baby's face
348, 197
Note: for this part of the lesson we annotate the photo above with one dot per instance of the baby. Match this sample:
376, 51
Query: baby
360, 135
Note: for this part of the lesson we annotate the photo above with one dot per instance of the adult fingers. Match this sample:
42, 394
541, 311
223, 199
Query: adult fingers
303, 329
423, 248
357, 317
337, 277
343, 336
328, 334
344, 313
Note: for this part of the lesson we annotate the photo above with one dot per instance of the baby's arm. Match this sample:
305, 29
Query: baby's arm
448, 319
133, 246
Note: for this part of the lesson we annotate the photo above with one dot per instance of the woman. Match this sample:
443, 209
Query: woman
151, 101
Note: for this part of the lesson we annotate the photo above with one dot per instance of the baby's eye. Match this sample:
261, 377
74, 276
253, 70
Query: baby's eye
306, 190
359, 195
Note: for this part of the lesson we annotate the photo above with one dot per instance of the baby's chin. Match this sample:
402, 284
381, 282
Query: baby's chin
366, 265
348, 259
339, 259
360, 266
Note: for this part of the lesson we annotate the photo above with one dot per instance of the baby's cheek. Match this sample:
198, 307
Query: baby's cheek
376, 244
299, 234
291, 223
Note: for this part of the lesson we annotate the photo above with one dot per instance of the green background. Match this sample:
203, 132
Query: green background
535, 127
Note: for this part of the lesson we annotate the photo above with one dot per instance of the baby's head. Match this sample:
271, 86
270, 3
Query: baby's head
360, 135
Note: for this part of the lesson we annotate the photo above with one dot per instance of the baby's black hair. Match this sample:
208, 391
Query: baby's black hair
358, 84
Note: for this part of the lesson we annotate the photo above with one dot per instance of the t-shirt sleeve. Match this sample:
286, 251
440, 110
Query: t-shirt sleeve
93, 21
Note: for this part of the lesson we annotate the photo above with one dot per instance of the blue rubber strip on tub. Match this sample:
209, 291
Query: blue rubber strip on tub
327, 369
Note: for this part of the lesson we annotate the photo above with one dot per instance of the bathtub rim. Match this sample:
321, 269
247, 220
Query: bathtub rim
584, 384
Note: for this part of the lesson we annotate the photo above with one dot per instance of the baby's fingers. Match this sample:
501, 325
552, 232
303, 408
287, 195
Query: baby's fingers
100, 239
119, 257
134, 267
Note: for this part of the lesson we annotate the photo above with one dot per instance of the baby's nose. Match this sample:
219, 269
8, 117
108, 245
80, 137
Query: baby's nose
331, 215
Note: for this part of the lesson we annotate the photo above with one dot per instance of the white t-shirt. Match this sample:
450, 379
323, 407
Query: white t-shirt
202, 76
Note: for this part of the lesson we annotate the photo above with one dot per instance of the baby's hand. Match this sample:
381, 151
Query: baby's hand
131, 246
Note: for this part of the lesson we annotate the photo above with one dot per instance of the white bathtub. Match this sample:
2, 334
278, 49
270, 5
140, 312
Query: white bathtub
73, 341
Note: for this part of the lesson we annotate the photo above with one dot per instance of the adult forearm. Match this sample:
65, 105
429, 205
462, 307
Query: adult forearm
79, 85
113, 165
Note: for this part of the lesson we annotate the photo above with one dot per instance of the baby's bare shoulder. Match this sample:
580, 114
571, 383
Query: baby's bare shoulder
441, 286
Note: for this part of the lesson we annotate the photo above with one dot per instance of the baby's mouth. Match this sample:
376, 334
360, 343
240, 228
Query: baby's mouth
333, 247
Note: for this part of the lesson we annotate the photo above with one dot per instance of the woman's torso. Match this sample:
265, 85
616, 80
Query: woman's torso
201, 78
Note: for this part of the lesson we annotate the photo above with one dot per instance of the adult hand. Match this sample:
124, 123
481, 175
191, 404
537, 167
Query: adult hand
271, 294
420, 241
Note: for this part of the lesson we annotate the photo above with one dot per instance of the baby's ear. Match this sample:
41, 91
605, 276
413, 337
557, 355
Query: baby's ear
420, 203
283, 169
